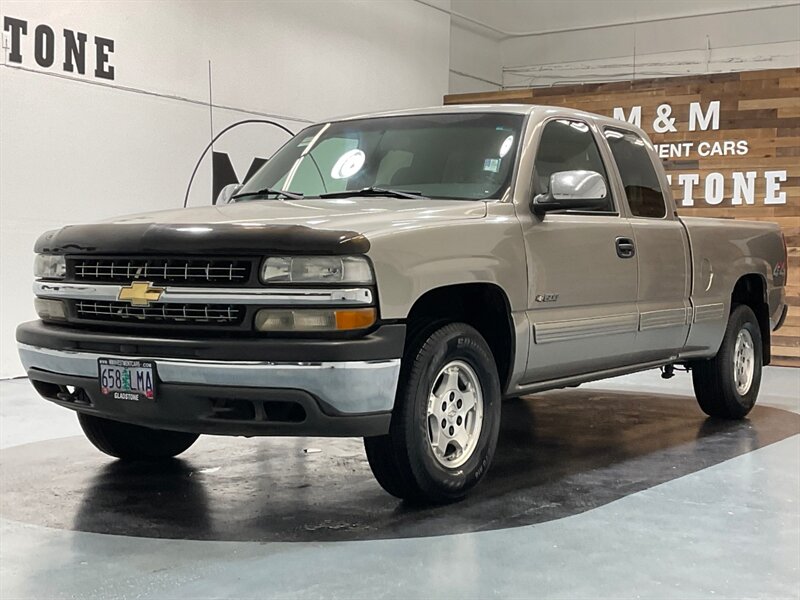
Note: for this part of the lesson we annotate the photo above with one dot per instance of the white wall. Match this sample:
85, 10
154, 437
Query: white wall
74, 148
551, 42
738, 41
475, 60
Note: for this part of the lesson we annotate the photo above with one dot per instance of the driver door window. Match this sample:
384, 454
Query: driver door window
567, 145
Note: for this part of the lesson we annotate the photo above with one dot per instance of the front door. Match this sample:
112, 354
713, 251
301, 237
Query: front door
582, 281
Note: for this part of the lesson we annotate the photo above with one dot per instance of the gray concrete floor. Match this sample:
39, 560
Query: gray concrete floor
731, 530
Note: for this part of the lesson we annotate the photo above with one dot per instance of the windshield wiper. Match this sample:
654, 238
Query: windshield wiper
270, 191
374, 191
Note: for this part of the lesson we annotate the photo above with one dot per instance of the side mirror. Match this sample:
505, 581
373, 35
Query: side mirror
572, 190
228, 192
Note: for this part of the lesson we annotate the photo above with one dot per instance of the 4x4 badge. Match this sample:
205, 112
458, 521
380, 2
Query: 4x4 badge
546, 297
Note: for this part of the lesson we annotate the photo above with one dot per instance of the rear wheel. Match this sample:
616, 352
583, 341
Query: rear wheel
446, 419
133, 442
727, 385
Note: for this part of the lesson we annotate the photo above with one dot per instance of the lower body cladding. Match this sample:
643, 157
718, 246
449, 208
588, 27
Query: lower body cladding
319, 388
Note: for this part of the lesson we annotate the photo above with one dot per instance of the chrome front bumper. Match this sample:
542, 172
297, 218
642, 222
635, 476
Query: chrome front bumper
349, 387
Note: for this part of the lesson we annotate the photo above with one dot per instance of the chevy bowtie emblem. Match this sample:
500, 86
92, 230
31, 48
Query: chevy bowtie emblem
140, 293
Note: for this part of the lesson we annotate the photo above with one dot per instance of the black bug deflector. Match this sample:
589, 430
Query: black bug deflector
206, 239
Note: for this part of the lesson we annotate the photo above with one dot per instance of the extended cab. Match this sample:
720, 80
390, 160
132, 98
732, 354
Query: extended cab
394, 277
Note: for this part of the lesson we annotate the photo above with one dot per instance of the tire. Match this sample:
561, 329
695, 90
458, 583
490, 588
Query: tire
727, 385
133, 442
419, 460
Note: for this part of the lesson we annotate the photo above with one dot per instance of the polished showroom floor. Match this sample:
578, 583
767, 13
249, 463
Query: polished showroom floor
619, 489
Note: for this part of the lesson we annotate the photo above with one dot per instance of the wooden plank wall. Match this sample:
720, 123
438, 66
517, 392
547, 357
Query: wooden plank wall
761, 108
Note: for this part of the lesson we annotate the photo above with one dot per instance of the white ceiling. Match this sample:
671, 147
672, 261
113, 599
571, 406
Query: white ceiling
531, 16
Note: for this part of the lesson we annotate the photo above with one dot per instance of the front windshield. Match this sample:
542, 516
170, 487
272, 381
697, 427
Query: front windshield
457, 156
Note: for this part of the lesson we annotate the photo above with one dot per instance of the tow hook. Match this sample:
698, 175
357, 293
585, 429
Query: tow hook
667, 371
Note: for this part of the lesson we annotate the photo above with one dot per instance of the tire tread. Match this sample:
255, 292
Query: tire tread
400, 471
713, 380
133, 442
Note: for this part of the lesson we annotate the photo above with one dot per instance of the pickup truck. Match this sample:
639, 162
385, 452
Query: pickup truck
394, 277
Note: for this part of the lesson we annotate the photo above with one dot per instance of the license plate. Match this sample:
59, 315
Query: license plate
127, 379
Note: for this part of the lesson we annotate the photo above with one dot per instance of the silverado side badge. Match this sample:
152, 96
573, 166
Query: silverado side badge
546, 297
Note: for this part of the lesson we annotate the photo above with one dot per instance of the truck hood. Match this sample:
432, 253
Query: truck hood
332, 226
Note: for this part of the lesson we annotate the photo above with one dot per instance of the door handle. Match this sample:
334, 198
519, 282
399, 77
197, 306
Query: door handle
625, 247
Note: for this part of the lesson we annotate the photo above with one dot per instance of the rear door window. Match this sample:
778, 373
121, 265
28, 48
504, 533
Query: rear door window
639, 177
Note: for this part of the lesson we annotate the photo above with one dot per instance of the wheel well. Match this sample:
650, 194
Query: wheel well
750, 290
482, 305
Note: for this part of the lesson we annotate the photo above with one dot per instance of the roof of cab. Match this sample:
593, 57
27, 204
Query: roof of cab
519, 109
538, 111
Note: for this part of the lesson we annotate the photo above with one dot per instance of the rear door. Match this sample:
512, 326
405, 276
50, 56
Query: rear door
581, 288
661, 245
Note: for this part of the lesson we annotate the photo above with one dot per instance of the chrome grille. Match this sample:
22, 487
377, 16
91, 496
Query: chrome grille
159, 270
195, 314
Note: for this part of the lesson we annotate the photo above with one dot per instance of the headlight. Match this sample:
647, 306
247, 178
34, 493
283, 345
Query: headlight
314, 319
316, 269
49, 266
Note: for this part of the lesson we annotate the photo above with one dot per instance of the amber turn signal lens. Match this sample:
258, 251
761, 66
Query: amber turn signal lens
314, 319
358, 318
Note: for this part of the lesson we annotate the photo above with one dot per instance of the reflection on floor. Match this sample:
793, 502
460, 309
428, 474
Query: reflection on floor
614, 489
559, 454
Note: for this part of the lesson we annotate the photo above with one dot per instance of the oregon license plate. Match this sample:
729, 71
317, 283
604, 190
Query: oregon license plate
127, 379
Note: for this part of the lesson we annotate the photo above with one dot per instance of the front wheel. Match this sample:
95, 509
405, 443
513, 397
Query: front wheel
446, 419
133, 442
726, 386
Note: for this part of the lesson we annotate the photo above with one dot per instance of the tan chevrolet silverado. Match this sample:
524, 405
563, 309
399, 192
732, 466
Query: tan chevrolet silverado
394, 277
